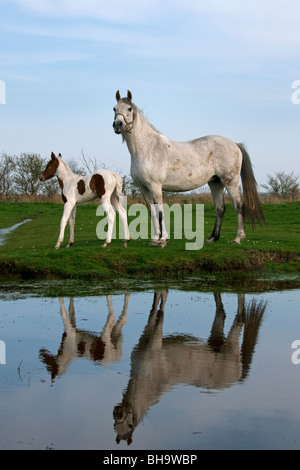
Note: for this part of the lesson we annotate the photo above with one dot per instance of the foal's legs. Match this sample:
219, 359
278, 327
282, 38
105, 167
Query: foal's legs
69, 206
105, 201
117, 329
217, 191
123, 216
72, 224
111, 334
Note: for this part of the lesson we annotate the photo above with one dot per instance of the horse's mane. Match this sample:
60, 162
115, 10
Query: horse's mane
138, 110
61, 160
146, 119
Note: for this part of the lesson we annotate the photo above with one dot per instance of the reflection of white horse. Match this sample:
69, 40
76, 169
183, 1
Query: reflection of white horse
106, 347
160, 363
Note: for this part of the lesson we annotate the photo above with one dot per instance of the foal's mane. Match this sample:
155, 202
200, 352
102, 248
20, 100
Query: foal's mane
61, 160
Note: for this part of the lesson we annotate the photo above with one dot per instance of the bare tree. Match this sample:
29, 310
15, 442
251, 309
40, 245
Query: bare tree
283, 185
92, 164
50, 187
134, 189
74, 166
126, 181
7, 168
28, 168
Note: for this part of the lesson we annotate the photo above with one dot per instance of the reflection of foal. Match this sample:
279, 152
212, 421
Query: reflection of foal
160, 363
106, 347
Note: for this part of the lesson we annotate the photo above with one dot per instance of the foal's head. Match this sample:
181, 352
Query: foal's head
51, 168
125, 113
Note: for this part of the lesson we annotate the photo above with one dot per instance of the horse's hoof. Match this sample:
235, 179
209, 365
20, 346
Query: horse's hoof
236, 242
105, 244
158, 243
126, 243
210, 240
57, 247
154, 243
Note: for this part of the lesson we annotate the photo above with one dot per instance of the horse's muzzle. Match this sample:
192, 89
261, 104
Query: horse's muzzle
42, 177
117, 125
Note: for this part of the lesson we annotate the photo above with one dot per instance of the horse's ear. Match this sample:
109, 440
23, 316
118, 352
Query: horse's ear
129, 95
53, 155
60, 155
118, 96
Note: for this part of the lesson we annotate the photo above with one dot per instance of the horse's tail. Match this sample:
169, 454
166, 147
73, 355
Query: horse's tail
253, 316
253, 211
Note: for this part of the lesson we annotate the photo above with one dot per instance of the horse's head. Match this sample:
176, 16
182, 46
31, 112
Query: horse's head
51, 168
124, 423
125, 113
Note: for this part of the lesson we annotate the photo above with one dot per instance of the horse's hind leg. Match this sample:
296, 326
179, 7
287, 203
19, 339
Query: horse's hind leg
234, 193
105, 200
217, 191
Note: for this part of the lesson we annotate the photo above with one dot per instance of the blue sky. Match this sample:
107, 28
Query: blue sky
193, 67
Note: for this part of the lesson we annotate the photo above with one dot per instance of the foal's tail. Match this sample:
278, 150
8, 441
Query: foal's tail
119, 185
253, 211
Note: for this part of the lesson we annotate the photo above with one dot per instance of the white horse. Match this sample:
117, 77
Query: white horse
160, 363
158, 163
99, 348
76, 189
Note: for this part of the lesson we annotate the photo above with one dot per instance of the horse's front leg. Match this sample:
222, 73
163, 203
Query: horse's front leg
72, 224
158, 211
67, 212
154, 214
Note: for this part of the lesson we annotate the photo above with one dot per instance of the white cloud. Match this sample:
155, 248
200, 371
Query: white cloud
164, 28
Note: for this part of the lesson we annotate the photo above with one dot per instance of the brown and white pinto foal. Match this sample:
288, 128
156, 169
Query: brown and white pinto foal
75, 189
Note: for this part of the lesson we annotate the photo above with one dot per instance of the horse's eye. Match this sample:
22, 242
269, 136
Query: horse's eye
129, 109
114, 109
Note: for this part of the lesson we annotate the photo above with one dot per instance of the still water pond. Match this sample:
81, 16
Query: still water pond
159, 369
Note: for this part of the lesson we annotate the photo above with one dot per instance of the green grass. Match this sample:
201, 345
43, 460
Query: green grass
29, 251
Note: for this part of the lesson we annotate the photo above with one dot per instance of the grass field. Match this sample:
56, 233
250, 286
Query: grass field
29, 251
